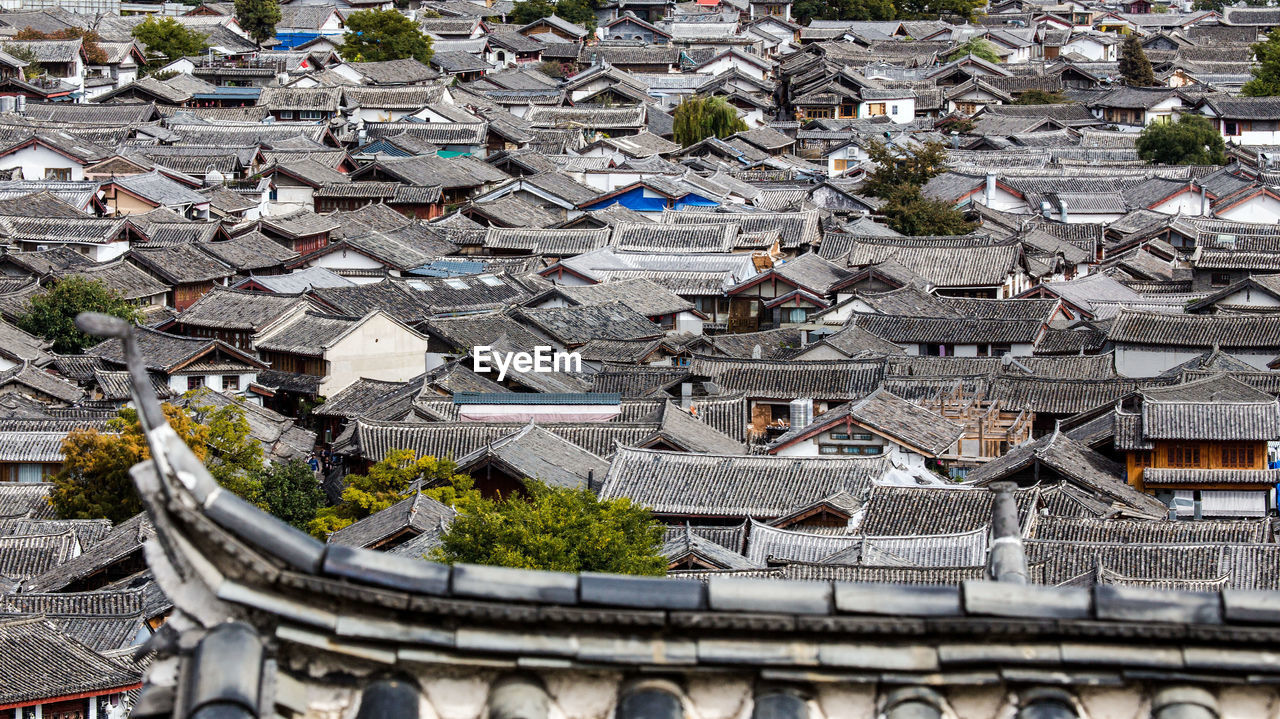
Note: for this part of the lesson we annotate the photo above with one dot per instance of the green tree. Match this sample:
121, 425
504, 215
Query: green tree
581, 12
52, 313
1134, 66
976, 46
234, 458
963, 10
702, 116
258, 18
1266, 68
1192, 140
913, 165
806, 10
94, 481
378, 35
557, 529
27, 55
170, 38
908, 211
1042, 97
527, 11
290, 491
386, 483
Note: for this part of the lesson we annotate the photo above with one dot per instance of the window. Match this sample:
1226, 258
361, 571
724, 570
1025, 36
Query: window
865, 450
195, 381
999, 350
893, 109
286, 114
1239, 456
1220, 279
1231, 127
57, 173
875, 108
230, 382
848, 110
1143, 459
859, 436
817, 113
311, 115
1184, 455
797, 315
841, 165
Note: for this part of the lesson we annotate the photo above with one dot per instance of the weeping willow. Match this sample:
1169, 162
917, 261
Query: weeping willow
700, 117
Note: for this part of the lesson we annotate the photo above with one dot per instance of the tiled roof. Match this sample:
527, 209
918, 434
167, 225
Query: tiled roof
1177, 330
43, 662
732, 486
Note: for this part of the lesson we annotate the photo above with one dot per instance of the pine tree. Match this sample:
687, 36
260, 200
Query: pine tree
1134, 65
258, 18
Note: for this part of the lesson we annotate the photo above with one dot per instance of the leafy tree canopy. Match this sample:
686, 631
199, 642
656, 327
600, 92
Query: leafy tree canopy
897, 166
806, 10
52, 314
380, 35
291, 492
1134, 66
27, 55
908, 211
702, 116
1042, 97
1266, 68
234, 458
386, 483
976, 46
170, 38
94, 481
1192, 140
580, 12
258, 18
93, 52
557, 529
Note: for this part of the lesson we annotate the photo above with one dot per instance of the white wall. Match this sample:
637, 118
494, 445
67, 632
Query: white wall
1148, 361
379, 348
34, 160
687, 322
345, 259
906, 109
1251, 297
178, 382
1263, 208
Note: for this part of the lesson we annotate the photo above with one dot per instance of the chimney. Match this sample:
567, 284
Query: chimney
990, 191
1204, 202
1062, 211
1006, 562
686, 396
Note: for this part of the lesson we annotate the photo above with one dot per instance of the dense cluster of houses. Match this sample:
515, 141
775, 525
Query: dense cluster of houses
797, 390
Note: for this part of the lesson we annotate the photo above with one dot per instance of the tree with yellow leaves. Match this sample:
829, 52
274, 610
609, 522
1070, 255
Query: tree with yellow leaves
388, 482
94, 481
